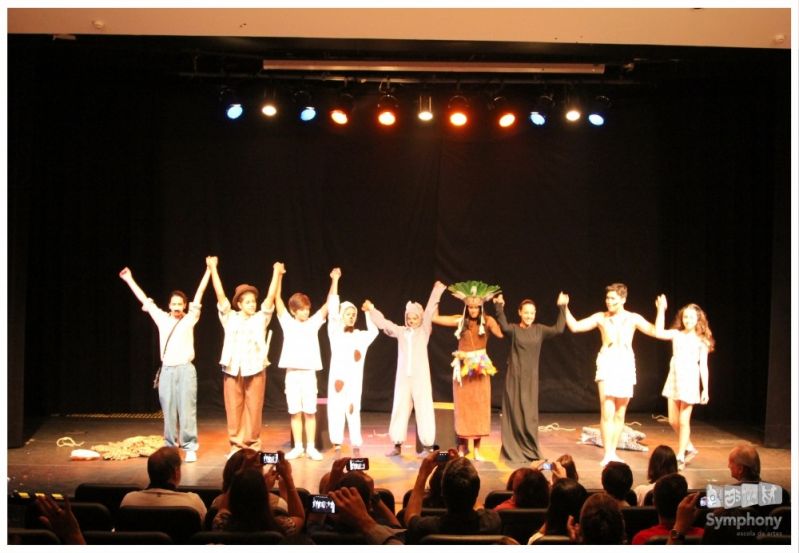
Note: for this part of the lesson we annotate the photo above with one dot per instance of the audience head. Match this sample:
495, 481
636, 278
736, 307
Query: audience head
617, 479
565, 498
744, 464
662, 461
243, 458
532, 490
460, 485
360, 481
567, 462
248, 500
670, 489
516, 477
433, 497
163, 467
601, 521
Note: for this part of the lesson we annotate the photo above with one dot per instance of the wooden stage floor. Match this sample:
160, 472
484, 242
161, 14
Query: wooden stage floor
43, 466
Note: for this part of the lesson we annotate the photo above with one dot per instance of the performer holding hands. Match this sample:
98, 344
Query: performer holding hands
177, 378
615, 363
520, 400
472, 368
348, 347
691, 340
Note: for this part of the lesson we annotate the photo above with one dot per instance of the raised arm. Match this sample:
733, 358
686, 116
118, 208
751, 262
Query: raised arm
380, 321
127, 275
269, 301
502, 320
493, 326
583, 325
645, 326
280, 307
560, 323
660, 319
213, 265
447, 320
335, 275
431, 309
198, 296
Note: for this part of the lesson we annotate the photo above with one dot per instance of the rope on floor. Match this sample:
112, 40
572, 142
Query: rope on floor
554, 427
67, 441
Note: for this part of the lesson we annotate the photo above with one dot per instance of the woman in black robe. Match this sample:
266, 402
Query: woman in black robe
520, 399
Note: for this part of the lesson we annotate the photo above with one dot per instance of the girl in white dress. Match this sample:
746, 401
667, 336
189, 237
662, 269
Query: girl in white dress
687, 382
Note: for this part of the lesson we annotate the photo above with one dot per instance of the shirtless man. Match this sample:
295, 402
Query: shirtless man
615, 363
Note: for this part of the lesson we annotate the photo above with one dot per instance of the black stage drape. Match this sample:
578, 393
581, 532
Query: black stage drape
113, 165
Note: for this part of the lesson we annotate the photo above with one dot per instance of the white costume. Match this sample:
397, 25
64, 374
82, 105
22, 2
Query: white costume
347, 355
412, 388
689, 352
615, 363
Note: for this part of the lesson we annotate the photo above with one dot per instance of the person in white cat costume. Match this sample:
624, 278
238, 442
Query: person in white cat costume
348, 347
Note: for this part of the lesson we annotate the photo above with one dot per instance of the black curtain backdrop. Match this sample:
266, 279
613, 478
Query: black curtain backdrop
112, 166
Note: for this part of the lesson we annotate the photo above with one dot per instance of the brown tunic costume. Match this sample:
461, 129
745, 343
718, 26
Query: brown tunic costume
472, 396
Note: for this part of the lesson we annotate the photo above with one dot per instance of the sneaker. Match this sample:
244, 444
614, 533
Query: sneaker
680, 464
313, 454
690, 454
191, 457
294, 453
477, 456
396, 452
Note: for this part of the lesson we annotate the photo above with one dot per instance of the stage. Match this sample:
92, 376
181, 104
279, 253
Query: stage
43, 466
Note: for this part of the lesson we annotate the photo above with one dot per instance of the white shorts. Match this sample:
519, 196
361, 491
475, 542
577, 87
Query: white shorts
301, 391
615, 366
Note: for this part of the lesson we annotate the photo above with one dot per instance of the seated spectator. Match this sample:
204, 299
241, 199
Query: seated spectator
662, 461
248, 508
246, 458
601, 522
361, 482
714, 534
744, 464
617, 481
60, 520
530, 491
163, 468
351, 512
670, 489
567, 462
460, 486
566, 498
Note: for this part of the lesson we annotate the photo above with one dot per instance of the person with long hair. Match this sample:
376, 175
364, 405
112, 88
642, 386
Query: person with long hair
472, 368
687, 381
662, 461
519, 423
566, 498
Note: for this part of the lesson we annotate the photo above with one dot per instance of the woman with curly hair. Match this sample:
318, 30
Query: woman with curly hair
472, 368
687, 382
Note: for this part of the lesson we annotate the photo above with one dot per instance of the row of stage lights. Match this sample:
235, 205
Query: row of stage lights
459, 112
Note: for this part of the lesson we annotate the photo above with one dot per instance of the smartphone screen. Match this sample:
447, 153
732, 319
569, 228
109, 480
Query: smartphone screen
703, 501
322, 504
268, 458
443, 456
546, 466
358, 463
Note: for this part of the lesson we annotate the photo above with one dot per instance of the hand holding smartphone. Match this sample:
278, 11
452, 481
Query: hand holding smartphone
358, 463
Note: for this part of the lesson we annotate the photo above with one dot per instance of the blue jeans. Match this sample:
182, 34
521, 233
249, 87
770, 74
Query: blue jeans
177, 390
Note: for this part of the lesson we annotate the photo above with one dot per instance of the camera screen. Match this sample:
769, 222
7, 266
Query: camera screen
703, 501
358, 463
322, 504
268, 458
443, 456
546, 466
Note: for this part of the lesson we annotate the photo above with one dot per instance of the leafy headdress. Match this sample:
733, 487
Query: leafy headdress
473, 292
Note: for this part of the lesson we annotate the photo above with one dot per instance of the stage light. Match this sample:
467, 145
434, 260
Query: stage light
458, 110
425, 107
387, 110
306, 110
598, 110
504, 115
572, 109
541, 110
231, 103
269, 103
342, 108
